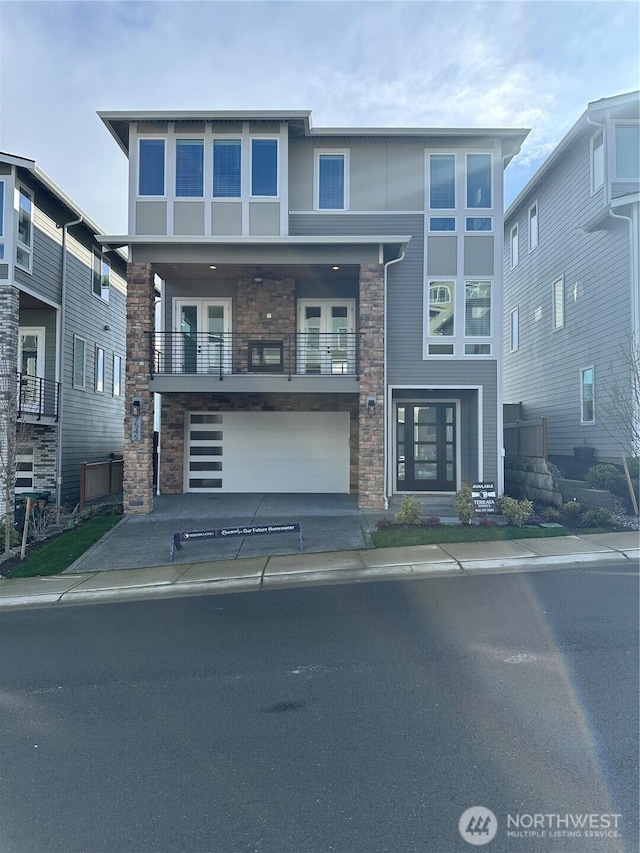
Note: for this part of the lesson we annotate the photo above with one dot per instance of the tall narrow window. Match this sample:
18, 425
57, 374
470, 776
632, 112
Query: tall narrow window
189, 168
627, 152
477, 309
79, 361
515, 249
558, 303
533, 227
478, 180
227, 155
264, 167
1, 219
515, 330
441, 309
331, 181
597, 162
151, 167
99, 370
442, 181
101, 276
587, 396
117, 375
24, 249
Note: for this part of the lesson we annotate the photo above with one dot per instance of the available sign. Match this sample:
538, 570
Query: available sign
223, 532
483, 498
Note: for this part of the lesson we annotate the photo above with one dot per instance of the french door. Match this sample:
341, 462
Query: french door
425, 447
326, 336
31, 366
203, 342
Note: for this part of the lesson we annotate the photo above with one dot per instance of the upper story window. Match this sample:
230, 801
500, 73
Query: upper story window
24, 249
477, 309
101, 276
479, 223
478, 180
264, 167
514, 246
597, 162
442, 223
533, 227
514, 342
1, 220
627, 159
79, 361
332, 181
440, 294
558, 303
117, 375
442, 181
151, 167
441, 309
99, 370
587, 396
227, 159
189, 168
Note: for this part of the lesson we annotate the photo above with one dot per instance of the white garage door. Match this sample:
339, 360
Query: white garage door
267, 452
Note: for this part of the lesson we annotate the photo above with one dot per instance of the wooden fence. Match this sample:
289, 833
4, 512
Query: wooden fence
99, 479
526, 438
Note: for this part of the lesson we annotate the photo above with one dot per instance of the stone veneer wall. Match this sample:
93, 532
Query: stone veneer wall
9, 321
371, 441
138, 456
44, 439
172, 428
253, 302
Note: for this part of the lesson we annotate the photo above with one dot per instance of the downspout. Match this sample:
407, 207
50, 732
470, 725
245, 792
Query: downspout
61, 339
385, 402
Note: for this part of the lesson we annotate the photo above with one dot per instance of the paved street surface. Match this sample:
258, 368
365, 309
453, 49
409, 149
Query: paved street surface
356, 718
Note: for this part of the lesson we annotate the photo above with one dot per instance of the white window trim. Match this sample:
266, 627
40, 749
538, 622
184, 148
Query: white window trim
557, 326
583, 370
614, 145
344, 152
514, 257
97, 350
478, 339
2, 207
595, 189
189, 137
533, 247
458, 340
442, 211
84, 363
19, 245
488, 154
253, 137
163, 196
514, 330
480, 216
220, 137
436, 231
117, 359
97, 254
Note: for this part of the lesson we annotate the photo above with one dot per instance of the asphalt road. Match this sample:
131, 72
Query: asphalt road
357, 719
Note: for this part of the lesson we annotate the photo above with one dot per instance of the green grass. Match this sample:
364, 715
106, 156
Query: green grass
398, 536
59, 553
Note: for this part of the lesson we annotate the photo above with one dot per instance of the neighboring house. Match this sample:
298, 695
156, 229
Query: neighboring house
331, 304
62, 334
571, 281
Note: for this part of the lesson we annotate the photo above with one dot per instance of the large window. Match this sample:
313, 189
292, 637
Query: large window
514, 343
99, 370
331, 181
79, 362
533, 227
627, 152
441, 315
514, 246
189, 168
442, 181
477, 309
587, 396
264, 167
101, 276
151, 167
597, 162
478, 180
558, 303
24, 249
227, 156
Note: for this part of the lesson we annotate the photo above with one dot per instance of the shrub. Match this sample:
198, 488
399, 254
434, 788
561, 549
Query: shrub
552, 514
431, 521
410, 512
604, 476
570, 513
596, 518
464, 505
515, 511
384, 523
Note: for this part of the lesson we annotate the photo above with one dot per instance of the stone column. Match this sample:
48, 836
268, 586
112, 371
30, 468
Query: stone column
371, 419
9, 323
138, 455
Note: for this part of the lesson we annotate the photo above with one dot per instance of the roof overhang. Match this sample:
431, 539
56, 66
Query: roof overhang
619, 207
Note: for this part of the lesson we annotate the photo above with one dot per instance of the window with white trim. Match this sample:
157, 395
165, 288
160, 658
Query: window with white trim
479, 223
99, 370
189, 168
331, 180
1, 220
558, 303
533, 226
101, 277
24, 249
587, 395
442, 223
264, 167
627, 153
477, 309
514, 247
479, 180
597, 162
227, 165
117, 375
442, 181
151, 167
514, 325
441, 316
79, 362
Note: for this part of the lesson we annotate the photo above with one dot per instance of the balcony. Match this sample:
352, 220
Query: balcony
310, 361
38, 399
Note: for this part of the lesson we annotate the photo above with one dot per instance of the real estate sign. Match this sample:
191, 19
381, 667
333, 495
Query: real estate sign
483, 498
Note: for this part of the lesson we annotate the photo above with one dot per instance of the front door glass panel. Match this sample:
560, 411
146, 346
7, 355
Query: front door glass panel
425, 447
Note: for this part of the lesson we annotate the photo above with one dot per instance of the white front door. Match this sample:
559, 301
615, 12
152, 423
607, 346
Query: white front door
203, 340
326, 339
31, 365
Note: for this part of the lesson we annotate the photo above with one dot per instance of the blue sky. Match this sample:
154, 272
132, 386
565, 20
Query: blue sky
435, 64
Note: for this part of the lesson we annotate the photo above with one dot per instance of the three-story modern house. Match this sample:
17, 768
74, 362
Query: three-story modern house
331, 303
571, 300
62, 335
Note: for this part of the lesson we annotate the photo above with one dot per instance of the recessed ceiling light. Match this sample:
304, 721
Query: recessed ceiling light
213, 267
335, 267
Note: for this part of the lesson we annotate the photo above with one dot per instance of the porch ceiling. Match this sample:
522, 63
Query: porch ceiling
232, 272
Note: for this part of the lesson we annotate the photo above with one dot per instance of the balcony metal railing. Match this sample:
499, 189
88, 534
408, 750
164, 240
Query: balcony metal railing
274, 353
38, 397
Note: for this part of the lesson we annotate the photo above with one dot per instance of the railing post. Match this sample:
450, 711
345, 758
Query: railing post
151, 354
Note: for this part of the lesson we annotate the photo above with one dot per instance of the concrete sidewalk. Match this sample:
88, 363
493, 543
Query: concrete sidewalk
333, 567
